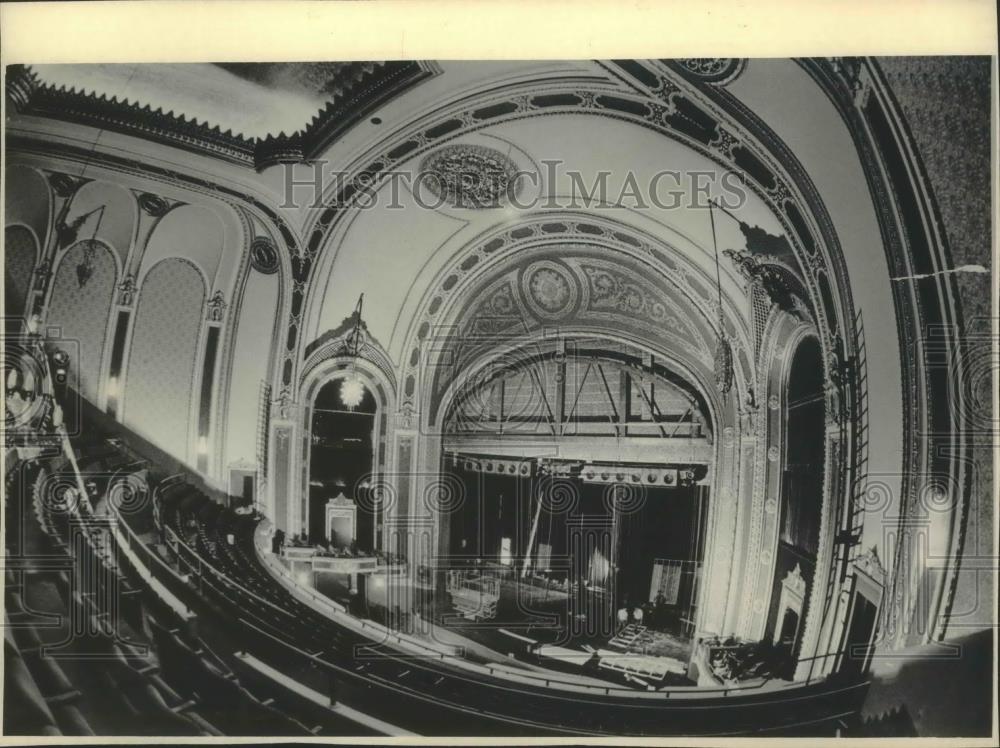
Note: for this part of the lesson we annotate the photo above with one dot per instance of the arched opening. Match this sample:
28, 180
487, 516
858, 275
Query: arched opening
579, 475
341, 455
801, 496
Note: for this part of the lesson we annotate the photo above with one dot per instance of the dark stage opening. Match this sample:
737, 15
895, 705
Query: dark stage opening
565, 555
341, 456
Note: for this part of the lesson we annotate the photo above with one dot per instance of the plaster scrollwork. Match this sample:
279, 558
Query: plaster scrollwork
471, 176
283, 405
406, 416
795, 583
216, 307
126, 290
869, 563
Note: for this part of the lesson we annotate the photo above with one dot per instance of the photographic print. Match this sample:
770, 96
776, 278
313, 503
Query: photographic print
586, 398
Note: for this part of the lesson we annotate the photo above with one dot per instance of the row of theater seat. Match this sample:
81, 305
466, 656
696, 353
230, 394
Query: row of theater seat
141, 692
233, 575
213, 548
192, 668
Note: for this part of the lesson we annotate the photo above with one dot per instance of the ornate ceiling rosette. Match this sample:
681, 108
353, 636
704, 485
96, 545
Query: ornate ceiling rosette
550, 290
470, 176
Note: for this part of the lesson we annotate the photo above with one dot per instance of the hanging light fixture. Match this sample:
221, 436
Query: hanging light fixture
67, 234
723, 350
352, 392
352, 389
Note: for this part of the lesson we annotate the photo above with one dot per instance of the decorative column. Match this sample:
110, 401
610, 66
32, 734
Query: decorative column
818, 655
284, 500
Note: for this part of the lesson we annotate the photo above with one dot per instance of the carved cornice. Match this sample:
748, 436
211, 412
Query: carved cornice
366, 87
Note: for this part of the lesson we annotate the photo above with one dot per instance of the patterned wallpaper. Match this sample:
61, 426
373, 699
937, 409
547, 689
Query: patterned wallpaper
159, 383
946, 102
82, 313
19, 261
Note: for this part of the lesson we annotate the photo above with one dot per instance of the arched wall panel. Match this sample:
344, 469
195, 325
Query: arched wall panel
160, 379
250, 365
81, 313
27, 200
20, 256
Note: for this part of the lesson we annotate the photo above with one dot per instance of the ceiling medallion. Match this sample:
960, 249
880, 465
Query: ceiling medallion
549, 289
470, 176
715, 70
264, 256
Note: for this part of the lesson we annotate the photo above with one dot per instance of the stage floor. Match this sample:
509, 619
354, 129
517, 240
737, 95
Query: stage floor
527, 616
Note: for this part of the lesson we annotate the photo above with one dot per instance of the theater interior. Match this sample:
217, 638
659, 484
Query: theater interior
543, 398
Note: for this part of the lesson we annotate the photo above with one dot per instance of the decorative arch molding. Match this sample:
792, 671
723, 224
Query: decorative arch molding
697, 383
341, 342
554, 235
664, 108
119, 219
936, 439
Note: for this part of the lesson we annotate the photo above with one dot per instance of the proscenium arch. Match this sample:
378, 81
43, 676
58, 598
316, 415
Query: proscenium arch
718, 599
722, 471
